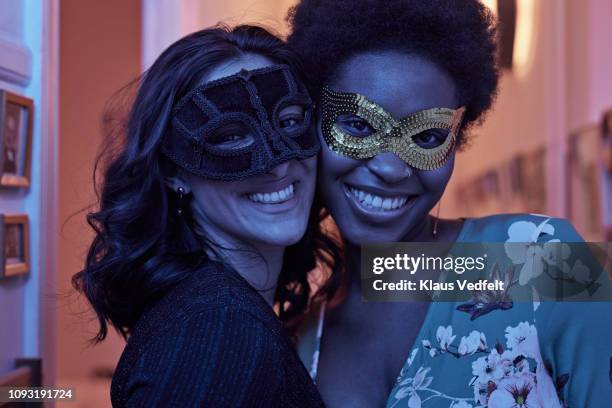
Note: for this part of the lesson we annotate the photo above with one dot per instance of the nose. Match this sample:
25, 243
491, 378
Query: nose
281, 170
389, 167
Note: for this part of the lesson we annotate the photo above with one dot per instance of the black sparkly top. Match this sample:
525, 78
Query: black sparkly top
212, 341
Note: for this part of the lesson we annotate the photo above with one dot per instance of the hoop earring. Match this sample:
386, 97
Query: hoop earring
435, 226
181, 197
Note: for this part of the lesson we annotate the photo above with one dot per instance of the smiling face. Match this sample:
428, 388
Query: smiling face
383, 199
271, 208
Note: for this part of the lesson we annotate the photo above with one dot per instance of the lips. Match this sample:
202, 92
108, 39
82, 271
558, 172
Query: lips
273, 197
375, 202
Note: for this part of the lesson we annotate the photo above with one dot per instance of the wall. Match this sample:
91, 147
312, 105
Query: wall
99, 53
517, 122
28, 62
589, 60
565, 85
16, 75
165, 21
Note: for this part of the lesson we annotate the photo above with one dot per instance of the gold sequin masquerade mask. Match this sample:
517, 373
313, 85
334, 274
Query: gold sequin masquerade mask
398, 136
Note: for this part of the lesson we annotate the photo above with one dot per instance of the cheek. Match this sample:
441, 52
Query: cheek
310, 167
333, 166
435, 181
212, 197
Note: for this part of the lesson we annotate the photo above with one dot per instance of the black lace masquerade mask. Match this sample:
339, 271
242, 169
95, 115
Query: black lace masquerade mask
229, 129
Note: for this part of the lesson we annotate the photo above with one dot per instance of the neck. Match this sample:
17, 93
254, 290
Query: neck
259, 264
422, 232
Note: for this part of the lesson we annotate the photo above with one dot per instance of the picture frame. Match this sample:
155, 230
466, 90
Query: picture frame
606, 158
534, 169
585, 182
606, 133
16, 126
15, 244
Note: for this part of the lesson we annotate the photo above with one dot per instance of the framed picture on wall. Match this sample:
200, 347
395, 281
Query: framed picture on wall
606, 153
15, 240
586, 182
606, 134
16, 118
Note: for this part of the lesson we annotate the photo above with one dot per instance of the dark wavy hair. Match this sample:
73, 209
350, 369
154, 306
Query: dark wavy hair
142, 247
459, 36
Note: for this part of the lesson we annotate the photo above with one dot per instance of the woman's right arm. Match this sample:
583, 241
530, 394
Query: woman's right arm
218, 358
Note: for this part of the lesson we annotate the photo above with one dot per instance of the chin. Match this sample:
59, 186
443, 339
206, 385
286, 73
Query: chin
281, 235
366, 236
359, 233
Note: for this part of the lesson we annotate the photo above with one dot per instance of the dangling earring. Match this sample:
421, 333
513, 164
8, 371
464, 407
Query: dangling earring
181, 197
435, 226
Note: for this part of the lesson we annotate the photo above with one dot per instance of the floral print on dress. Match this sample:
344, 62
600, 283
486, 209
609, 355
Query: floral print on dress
532, 250
502, 378
485, 353
486, 301
418, 392
475, 341
525, 246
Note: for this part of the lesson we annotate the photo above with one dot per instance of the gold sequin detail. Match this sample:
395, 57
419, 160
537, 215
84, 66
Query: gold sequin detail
391, 135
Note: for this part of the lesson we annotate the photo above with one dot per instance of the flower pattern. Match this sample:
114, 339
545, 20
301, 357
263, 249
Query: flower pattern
417, 390
472, 343
445, 337
513, 374
417, 383
486, 301
501, 379
523, 248
485, 353
519, 392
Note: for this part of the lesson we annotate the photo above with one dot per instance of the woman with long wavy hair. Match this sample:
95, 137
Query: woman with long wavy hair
205, 223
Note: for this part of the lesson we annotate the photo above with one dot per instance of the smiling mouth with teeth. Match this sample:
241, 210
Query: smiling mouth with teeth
376, 202
275, 197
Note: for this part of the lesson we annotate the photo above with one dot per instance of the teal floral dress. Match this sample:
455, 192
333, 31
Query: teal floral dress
500, 353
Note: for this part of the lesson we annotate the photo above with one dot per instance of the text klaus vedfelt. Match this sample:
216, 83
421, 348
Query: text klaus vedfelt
412, 264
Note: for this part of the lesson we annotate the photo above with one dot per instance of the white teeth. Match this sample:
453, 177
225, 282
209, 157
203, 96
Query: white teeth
274, 197
377, 202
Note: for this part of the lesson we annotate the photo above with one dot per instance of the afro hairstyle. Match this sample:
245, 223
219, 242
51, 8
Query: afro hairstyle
457, 35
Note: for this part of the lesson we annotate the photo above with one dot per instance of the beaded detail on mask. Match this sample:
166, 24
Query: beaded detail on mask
390, 134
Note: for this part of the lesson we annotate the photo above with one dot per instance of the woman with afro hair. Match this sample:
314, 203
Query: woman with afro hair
399, 84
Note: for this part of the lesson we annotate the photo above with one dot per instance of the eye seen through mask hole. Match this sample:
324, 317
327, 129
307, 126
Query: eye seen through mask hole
431, 138
355, 125
358, 127
231, 136
291, 117
237, 135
